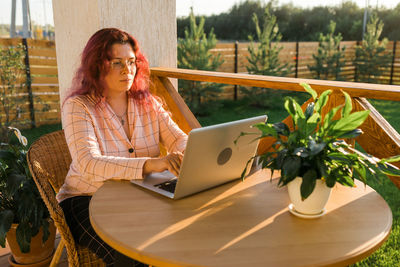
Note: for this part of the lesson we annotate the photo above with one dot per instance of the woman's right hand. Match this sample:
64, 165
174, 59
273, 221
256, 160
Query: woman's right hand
171, 162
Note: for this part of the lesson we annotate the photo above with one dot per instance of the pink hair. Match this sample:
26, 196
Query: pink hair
94, 65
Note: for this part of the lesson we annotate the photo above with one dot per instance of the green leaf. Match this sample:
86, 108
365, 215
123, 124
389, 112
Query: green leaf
345, 180
301, 152
290, 107
309, 110
361, 171
14, 182
26, 207
314, 118
278, 162
245, 169
347, 106
6, 155
351, 134
240, 135
391, 159
24, 236
312, 124
349, 123
315, 147
46, 230
291, 167
308, 184
281, 128
6, 219
322, 167
309, 90
293, 138
329, 117
265, 128
340, 157
389, 169
322, 100
298, 109
330, 180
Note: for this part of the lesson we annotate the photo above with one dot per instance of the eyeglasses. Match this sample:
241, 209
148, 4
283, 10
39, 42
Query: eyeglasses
118, 64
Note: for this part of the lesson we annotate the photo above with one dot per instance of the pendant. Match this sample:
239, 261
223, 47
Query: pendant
122, 122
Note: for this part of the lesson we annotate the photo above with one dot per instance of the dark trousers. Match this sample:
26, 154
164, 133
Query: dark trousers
76, 211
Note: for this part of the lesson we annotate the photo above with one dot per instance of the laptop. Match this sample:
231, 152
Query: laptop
211, 158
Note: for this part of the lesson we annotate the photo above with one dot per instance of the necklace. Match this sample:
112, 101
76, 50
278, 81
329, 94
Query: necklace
121, 118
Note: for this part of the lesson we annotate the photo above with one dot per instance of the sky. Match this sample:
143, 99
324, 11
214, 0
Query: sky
42, 13
209, 7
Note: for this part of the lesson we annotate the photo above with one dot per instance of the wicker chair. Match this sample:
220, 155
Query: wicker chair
49, 160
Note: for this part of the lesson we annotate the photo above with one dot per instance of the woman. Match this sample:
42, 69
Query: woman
113, 127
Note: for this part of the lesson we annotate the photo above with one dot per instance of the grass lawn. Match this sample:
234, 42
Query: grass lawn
33, 134
389, 253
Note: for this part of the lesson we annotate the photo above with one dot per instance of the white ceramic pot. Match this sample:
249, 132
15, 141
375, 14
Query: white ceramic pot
315, 203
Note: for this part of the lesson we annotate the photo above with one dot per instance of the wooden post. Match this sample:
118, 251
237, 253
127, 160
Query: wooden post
151, 22
355, 65
338, 62
29, 83
297, 60
393, 61
235, 95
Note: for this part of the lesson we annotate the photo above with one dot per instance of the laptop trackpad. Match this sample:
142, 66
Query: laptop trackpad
158, 177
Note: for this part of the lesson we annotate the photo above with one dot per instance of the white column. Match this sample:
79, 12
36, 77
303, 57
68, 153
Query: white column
13, 12
26, 29
151, 22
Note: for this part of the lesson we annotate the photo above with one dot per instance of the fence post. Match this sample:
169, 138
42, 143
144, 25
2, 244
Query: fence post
338, 62
29, 83
393, 60
355, 60
297, 60
235, 96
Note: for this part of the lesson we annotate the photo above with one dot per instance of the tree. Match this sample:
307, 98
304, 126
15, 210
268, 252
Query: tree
264, 57
371, 56
12, 79
295, 23
349, 19
194, 53
329, 59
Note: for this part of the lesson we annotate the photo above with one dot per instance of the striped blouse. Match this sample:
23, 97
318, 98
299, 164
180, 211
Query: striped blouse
100, 149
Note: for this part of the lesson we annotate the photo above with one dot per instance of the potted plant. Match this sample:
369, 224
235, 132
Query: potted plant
24, 218
313, 156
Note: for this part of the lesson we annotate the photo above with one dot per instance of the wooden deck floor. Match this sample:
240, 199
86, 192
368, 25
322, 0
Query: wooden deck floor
5, 253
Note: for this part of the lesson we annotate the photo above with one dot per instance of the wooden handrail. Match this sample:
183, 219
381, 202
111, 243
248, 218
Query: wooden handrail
380, 139
367, 90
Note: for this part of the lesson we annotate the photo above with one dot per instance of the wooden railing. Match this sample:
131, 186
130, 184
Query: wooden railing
379, 139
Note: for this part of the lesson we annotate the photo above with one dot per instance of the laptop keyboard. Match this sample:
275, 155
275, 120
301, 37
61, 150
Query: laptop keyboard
168, 185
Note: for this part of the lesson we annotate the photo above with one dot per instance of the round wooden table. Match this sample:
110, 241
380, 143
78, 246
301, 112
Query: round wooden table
239, 224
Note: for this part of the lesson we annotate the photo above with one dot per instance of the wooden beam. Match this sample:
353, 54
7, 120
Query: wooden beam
379, 139
180, 112
367, 90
